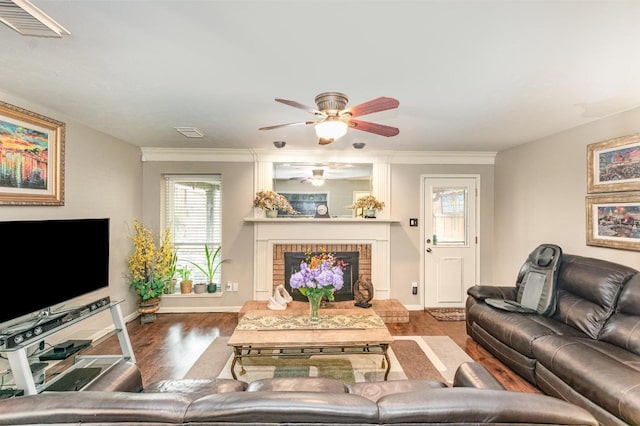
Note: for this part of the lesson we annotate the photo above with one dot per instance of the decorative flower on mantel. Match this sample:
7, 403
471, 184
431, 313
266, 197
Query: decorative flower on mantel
271, 200
367, 202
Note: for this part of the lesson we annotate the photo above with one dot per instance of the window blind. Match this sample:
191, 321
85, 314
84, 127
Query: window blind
193, 212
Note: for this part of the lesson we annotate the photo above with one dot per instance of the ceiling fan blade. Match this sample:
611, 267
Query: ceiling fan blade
324, 141
378, 129
299, 106
379, 104
277, 126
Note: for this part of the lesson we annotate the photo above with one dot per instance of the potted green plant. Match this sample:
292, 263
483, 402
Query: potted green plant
213, 261
170, 280
186, 284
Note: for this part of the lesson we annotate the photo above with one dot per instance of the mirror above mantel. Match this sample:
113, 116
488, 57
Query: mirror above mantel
308, 185
371, 172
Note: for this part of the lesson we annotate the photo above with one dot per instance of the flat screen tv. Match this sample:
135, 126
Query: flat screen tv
46, 263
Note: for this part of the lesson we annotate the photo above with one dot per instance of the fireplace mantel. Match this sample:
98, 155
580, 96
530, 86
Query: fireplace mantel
269, 232
318, 221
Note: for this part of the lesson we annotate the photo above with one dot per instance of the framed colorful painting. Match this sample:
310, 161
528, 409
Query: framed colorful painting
31, 158
614, 165
614, 221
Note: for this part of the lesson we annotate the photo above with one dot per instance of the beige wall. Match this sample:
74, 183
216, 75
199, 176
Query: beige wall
539, 191
103, 178
237, 235
540, 196
406, 256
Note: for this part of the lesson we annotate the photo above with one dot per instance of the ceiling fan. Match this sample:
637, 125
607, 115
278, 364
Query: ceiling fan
316, 179
334, 118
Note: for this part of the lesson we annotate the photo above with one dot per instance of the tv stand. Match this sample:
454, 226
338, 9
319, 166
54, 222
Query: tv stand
64, 350
19, 361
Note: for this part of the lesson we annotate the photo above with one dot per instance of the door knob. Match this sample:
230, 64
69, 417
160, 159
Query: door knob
429, 250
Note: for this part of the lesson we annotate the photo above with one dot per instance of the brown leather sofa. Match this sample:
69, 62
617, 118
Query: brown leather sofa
587, 352
475, 398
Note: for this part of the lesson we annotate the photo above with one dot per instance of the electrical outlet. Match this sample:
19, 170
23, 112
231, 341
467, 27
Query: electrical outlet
229, 286
414, 288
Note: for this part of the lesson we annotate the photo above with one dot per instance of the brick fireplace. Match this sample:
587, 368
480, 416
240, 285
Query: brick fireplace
287, 257
274, 237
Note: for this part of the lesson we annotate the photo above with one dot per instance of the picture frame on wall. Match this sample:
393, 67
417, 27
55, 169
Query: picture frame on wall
31, 158
614, 165
613, 221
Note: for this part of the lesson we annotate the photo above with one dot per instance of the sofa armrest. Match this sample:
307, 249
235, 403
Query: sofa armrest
94, 408
124, 376
480, 406
481, 292
475, 375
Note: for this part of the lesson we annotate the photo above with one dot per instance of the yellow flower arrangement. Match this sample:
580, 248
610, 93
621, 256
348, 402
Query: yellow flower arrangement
150, 267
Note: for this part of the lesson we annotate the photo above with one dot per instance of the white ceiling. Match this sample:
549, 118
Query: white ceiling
469, 75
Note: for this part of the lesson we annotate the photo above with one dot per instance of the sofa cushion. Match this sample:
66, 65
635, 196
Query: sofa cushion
282, 407
196, 387
550, 384
298, 384
588, 290
606, 374
376, 390
623, 328
515, 329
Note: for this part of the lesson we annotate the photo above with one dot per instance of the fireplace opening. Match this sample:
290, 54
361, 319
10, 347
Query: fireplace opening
350, 272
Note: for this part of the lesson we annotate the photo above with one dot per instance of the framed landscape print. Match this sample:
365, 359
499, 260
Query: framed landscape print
31, 158
614, 165
614, 221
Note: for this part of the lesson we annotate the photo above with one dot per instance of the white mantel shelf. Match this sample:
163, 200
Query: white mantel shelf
320, 220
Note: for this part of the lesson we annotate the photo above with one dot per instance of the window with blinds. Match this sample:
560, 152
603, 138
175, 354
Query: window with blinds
193, 211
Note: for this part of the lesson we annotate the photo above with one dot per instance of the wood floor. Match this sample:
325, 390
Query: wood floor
167, 348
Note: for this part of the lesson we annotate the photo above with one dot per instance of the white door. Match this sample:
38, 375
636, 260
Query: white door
450, 243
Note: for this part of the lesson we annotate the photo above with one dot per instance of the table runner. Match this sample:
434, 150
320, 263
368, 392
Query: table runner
301, 321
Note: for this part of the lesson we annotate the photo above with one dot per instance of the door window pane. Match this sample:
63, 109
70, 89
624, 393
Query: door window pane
449, 206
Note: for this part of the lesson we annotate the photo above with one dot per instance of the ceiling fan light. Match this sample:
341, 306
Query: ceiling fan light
331, 128
317, 181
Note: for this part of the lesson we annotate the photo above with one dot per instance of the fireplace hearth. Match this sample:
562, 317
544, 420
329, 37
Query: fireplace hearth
351, 271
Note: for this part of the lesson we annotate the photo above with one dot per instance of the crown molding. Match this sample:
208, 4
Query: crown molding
196, 154
243, 155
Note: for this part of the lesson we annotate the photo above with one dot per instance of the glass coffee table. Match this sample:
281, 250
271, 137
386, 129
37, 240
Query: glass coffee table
267, 333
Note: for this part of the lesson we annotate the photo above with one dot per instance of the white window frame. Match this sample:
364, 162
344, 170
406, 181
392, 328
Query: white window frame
203, 226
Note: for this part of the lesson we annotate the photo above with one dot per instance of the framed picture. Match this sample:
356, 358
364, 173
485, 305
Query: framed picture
31, 158
614, 165
614, 221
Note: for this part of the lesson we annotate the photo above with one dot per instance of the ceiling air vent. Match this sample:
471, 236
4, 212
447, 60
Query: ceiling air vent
190, 132
28, 20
